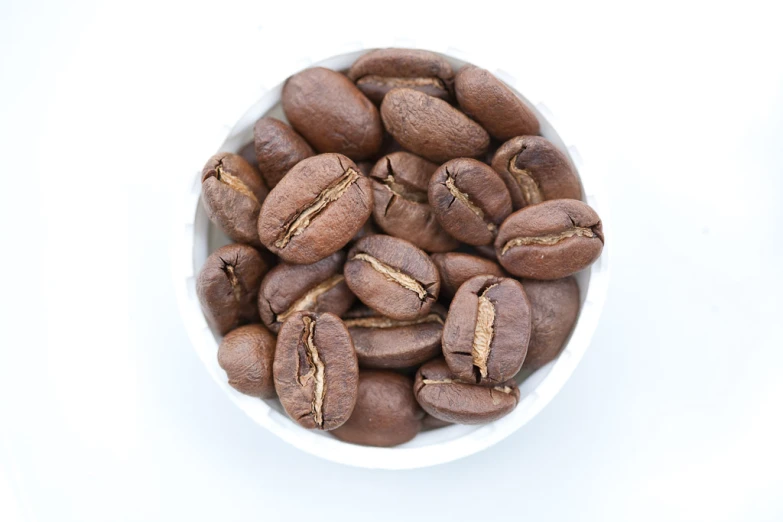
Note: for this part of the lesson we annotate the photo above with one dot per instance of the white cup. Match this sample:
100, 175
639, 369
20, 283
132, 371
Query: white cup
195, 237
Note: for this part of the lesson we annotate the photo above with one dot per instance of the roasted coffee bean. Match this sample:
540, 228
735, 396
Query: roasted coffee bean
430, 127
550, 240
455, 268
534, 170
392, 277
441, 394
486, 251
278, 148
431, 423
332, 114
246, 355
232, 193
377, 72
365, 167
386, 412
315, 370
315, 209
555, 306
400, 182
489, 101
319, 287
368, 229
487, 330
227, 286
469, 199
382, 342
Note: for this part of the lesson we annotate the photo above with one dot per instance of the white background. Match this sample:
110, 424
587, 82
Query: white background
107, 414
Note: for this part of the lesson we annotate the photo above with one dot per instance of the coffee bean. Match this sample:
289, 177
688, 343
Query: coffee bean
486, 251
315, 209
441, 394
331, 113
400, 183
382, 342
392, 276
368, 229
365, 167
487, 330
246, 354
430, 127
319, 287
555, 306
278, 148
227, 286
386, 412
488, 100
455, 268
534, 170
315, 370
377, 72
232, 193
550, 240
469, 199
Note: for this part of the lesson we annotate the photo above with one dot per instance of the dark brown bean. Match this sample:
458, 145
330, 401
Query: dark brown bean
469, 199
278, 148
442, 395
315, 369
550, 240
379, 71
227, 286
392, 277
455, 268
232, 193
319, 287
400, 182
501, 112
246, 355
430, 127
315, 209
487, 330
534, 170
385, 343
386, 412
332, 114
555, 306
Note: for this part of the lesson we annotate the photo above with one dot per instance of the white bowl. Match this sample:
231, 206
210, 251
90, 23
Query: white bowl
195, 237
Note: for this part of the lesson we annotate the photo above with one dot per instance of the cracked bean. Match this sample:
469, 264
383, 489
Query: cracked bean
227, 286
318, 287
400, 182
469, 200
550, 240
315, 209
534, 170
315, 370
392, 276
487, 330
382, 342
444, 396
377, 72
232, 193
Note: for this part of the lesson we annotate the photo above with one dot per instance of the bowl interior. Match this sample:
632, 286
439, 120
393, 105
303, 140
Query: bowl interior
429, 447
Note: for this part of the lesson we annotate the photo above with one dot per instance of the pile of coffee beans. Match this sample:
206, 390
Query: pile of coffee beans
403, 249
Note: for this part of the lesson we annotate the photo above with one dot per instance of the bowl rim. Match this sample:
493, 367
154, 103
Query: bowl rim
461, 441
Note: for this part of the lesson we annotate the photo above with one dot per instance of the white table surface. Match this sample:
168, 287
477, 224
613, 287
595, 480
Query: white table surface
107, 414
